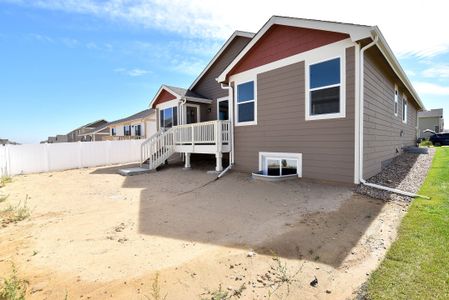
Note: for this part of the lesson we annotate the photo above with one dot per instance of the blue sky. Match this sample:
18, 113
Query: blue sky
66, 63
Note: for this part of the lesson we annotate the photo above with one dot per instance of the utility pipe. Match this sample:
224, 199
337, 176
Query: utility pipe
361, 103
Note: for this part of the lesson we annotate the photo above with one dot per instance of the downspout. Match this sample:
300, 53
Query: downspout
361, 104
231, 118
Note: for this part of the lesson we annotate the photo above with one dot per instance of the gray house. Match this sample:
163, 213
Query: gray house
307, 98
430, 120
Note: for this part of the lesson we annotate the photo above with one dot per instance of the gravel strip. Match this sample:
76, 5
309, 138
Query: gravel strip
406, 172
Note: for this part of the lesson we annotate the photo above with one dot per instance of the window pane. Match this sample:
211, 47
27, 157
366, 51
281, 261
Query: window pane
246, 112
168, 114
325, 73
223, 110
325, 101
161, 123
245, 91
289, 166
175, 116
273, 167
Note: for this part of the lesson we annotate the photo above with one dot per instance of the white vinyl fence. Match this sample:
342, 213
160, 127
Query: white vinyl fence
35, 158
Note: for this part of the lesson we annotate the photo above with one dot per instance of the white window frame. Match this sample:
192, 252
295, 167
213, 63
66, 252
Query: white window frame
218, 106
163, 109
236, 103
342, 85
404, 109
396, 100
264, 156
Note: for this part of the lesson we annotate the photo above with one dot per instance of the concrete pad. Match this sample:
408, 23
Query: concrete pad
133, 171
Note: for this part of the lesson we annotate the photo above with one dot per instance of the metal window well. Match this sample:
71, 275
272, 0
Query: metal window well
260, 176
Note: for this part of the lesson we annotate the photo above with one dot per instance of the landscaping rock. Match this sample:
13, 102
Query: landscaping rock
406, 172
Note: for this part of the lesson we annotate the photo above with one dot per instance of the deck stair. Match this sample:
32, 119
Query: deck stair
212, 137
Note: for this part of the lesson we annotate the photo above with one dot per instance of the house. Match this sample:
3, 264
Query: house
430, 120
7, 142
140, 125
76, 134
307, 98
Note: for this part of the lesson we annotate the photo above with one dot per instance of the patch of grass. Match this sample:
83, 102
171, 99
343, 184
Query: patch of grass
282, 277
218, 294
15, 213
425, 143
156, 290
417, 265
4, 180
13, 288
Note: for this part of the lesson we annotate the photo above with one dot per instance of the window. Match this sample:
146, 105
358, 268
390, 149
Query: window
324, 95
169, 117
437, 128
127, 130
138, 130
222, 109
396, 100
280, 164
404, 110
113, 131
246, 101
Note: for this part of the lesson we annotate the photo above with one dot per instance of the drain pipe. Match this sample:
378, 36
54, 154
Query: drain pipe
361, 103
231, 118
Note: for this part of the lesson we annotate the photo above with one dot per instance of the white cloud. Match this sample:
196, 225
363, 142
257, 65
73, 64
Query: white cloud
427, 88
190, 66
437, 71
136, 72
416, 30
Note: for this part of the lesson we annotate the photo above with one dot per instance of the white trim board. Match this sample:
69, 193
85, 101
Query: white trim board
236, 105
342, 85
320, 53
226, 98
356, 32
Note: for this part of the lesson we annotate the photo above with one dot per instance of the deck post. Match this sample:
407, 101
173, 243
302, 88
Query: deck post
187, 161
219, 165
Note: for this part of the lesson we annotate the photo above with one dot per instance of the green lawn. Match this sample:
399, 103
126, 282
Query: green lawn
417, 265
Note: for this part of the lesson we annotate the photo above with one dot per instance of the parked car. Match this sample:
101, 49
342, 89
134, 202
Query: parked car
440, 139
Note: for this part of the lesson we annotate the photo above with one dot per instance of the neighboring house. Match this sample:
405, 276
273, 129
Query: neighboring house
6, 142
307, 98
141, 125
76, 135
430, 120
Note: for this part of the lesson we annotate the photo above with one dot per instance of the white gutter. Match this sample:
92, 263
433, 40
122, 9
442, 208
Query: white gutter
231, 118
361, 100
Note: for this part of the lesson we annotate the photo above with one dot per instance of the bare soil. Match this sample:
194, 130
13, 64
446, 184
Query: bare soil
94, 234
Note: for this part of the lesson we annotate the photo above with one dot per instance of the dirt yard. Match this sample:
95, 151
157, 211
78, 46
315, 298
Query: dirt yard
94, 234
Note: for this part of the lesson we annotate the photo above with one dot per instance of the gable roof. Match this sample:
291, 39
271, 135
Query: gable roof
180, 93
236, 33
355, 31
91, 124
140, 115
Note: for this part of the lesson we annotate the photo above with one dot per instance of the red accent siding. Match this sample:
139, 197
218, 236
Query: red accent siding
164, 96
283, 41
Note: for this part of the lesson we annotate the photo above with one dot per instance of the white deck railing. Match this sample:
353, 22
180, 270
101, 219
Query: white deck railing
212, 132
163, 144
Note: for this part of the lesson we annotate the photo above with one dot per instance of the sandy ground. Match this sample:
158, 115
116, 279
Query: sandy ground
94, 234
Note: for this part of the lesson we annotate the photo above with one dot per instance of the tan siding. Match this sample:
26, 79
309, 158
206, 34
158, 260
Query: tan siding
381, 127
208, 86
327, 145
